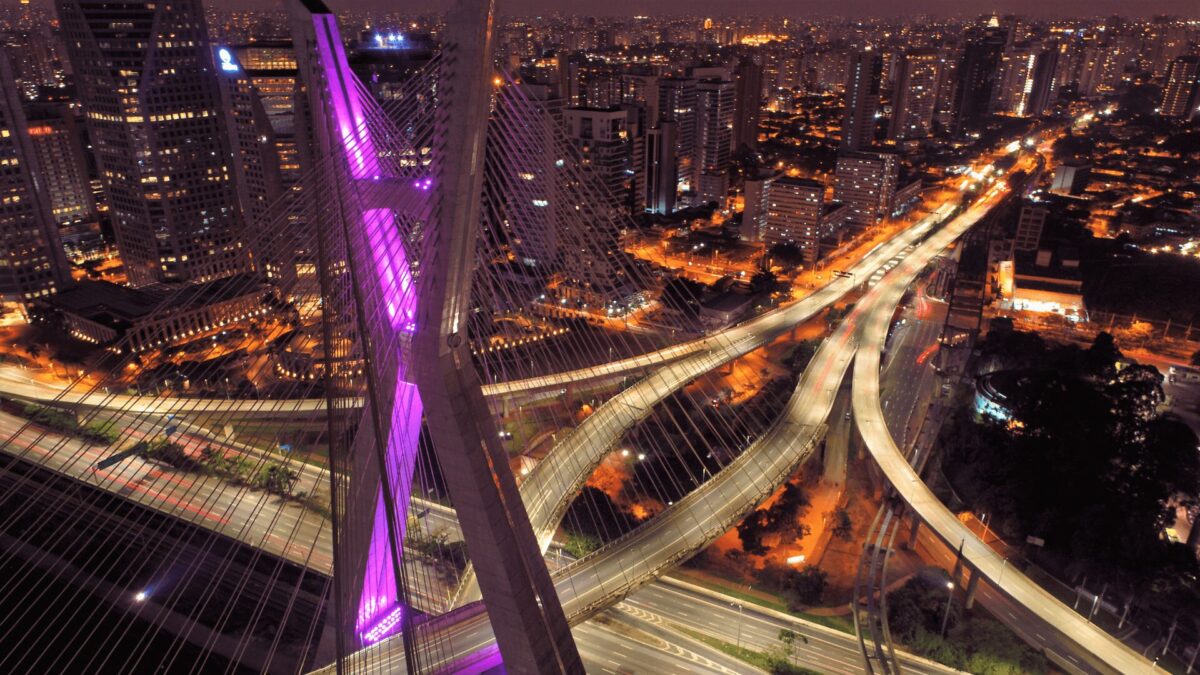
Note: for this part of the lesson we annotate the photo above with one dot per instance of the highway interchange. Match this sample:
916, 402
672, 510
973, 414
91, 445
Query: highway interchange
597, 582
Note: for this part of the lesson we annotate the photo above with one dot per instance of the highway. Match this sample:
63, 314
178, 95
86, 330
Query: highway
261, 520
909, 383
554, 482
869, 416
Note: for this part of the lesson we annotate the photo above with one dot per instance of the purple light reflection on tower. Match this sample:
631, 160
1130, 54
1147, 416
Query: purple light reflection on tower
343, 95
378, 614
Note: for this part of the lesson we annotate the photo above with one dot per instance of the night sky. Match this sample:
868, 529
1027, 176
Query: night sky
856, 8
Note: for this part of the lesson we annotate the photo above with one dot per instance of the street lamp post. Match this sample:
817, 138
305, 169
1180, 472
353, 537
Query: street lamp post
949, 600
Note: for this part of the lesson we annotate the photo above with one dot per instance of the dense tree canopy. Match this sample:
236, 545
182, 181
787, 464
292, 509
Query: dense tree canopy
1088, 464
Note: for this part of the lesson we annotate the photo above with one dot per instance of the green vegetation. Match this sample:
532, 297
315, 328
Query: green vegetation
580, 545
436, 548
976, 643
97, 433
782, 517
1085, 445
843, 528
775, 662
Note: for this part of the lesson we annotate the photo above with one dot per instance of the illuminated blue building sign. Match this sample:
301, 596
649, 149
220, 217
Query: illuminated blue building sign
225, 57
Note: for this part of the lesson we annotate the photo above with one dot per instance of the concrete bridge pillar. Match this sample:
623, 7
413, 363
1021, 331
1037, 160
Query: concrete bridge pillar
972, 586
911, 543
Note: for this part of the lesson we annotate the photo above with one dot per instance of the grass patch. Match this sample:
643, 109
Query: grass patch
843, 624
772, 663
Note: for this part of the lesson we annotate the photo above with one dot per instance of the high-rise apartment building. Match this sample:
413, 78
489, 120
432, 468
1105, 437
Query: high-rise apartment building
655, 178
747, 79
756, 191
977, 76
677, 103
714, 138
862, 100
604, 139
1181, 95
915, 97
145, 77
32, 263
1015, 81
795, 215
866, 183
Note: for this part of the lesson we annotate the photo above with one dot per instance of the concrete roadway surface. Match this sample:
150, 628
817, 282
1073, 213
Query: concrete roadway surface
909, 382
693, 522
550, 486
869, 417
261, 520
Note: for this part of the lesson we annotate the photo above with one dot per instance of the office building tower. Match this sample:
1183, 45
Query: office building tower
756, 199
866, 183
655, 179
57, 142
1030, 224
677, 103
977, 77
747, 104
862, 100
32, 263
145, 76
271, 68
1181, 95
915, 98
257, 177
714, 130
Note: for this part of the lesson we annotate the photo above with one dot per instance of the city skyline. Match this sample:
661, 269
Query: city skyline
348, 341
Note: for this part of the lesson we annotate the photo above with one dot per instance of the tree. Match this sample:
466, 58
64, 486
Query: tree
277, 479
805, 587
763, 281
842, 527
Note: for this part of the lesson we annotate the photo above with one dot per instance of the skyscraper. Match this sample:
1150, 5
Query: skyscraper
915, 98
655, 177
1015, 80
257, 177
1181, 95
58, 144
862, 100
537, 109
795, 210
32, 264
677, 103
977, 76
145, 78
1044, 90
714, 129
866, 183
747, 104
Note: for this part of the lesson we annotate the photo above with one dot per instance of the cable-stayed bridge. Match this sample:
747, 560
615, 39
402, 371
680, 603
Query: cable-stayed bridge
414, 216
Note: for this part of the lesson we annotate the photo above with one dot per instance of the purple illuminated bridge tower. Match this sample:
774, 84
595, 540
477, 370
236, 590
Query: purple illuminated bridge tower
411, 333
